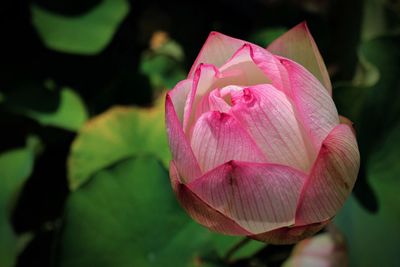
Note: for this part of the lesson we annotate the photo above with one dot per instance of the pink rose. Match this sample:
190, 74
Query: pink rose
258, 148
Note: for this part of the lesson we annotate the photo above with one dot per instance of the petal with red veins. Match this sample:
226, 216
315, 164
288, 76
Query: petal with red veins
242, 63
298, 45
272, 68
200, 211
259, 197
239, 70
269, 117
313, 103
218, 138
179, 97
332, 177
213, 101
217, 49
182, 153
206, 78
217, 102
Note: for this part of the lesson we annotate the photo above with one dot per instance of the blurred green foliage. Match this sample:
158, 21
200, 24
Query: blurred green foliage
15, 167
86, 34
86, 78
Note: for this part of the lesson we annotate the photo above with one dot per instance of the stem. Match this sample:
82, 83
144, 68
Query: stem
235, 248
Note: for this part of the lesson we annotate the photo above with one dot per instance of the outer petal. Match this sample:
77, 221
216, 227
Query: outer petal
182, 153
259, 197
289, 235
298, 44
269, 117
217, 49
218, 138
331, 179
200, 211
179, 97
315, 106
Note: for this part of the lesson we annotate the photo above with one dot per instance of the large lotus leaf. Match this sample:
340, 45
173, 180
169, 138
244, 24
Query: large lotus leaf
118, 133
127, 215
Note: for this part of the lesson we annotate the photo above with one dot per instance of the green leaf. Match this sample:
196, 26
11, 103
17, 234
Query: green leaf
364, 230
372, 103
87, 34
15, 168
127, 215
119, 133
248, 250
163, 71
172, 49
163, 63
70, 114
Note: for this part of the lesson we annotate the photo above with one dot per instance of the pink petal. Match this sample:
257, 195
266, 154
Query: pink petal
313, 103
332, 177
217, 102
272, 68
298, 45
207, 78
289, 235
243, 64
182, 153
269, 117
259, 197
327, 249
204, 79
217, 49
218, 138
200, 211
179, 97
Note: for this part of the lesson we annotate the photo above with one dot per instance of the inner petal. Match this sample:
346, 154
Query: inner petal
217, 100
239, 70
268, 116
243, 64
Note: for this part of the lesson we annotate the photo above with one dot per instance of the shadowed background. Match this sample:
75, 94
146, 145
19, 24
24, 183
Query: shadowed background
83, 154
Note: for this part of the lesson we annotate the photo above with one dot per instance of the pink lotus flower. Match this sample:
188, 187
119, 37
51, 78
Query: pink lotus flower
258, 148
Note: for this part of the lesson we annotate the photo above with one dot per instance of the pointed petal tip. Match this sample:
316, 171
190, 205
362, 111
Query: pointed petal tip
217, 49
299, 45
303, 25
